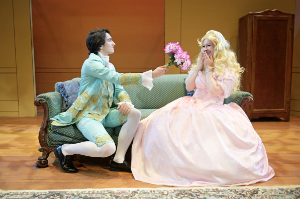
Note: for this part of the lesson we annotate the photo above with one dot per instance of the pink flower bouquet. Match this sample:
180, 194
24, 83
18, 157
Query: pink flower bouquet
177, 56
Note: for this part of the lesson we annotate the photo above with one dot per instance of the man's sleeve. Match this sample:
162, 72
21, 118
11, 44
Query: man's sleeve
97, 69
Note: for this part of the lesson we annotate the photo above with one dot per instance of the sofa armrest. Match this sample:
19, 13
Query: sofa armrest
241, 98
246, 100
53, 100
51, 103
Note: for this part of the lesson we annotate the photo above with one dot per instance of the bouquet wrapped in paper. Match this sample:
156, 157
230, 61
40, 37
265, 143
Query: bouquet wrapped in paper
177, 56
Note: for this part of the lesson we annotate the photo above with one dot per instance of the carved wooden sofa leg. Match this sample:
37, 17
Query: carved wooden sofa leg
42, 161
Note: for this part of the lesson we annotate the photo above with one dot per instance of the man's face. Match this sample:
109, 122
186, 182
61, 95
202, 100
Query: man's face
108, 47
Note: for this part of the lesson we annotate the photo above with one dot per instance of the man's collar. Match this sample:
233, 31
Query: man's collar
104, 57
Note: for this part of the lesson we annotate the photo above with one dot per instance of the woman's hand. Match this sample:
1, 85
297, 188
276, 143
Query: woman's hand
212, 87
159, 71
190, 81
208, 61
201, 63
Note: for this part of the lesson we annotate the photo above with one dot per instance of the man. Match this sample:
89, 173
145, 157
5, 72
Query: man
100, 89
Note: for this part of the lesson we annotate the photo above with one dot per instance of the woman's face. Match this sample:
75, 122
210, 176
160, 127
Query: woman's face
208, 47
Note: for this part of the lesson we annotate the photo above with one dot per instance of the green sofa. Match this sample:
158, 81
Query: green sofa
166, 89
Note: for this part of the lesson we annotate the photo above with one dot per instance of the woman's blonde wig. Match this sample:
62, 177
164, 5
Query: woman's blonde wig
223, 56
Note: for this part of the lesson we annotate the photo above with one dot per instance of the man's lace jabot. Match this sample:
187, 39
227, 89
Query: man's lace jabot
104, 57
106, 60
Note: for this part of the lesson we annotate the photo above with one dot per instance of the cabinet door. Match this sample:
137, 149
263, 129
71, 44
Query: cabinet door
270, 66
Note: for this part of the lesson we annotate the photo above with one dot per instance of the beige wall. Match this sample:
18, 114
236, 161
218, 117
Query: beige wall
185, 21
16, 64
188, 20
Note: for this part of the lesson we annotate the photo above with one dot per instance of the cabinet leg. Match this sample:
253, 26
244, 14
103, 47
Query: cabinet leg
287, 117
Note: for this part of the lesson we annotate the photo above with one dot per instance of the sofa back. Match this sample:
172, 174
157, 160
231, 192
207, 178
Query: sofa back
166, 89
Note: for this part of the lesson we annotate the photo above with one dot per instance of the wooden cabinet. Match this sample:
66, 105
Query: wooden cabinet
265, 50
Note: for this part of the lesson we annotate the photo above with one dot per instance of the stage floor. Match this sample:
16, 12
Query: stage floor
19, 152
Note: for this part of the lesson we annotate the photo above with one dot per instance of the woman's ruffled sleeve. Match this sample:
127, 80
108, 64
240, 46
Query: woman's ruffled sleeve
191, 71
226, 81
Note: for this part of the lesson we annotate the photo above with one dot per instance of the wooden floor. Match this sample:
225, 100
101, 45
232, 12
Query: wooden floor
19, 152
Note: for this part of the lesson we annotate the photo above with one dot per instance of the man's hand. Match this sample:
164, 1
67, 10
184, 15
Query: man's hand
124, 108
159, 71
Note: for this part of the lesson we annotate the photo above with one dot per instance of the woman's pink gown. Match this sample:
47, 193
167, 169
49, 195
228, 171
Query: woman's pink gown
198, 141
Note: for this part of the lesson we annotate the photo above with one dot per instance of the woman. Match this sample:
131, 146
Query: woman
198, 141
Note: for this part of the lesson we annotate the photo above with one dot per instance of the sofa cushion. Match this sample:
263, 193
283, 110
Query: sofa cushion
146, 112
77, 79
70, 134
60, 135
69, 92
189, 93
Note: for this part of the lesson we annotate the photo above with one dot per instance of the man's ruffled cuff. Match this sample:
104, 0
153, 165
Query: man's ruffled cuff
147, 79
132, 106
